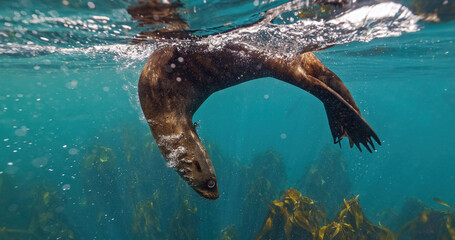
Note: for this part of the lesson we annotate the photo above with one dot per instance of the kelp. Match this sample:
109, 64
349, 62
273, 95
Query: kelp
6, 189
267, 175
100, 160
228, 173
322, 9
17, 234
292, 217
431, 225
410, 210
435, 10
154, 191
269, 165
183, 225
299, 217
326, 180
351, 223
158, 196
99, 173
317, 12
336, 230
99, 176
141, 157
145, 167
451, 207
47, 217
146, 223
38, 217
44, 216
229, 233
9, 195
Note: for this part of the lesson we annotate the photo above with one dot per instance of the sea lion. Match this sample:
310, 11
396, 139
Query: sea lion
161, 18
177, 80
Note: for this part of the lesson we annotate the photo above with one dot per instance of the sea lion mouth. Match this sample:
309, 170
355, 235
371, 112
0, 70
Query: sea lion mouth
207, 192
209, 195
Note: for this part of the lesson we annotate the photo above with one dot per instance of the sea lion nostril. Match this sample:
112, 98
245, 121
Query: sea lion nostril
211, 183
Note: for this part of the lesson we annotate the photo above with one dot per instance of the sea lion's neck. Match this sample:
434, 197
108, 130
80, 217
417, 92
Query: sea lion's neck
171, 138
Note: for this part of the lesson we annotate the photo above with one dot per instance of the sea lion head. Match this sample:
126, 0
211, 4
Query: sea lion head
185, 153
202, 176
205, 186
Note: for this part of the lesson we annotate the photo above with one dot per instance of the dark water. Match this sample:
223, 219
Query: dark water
77, 159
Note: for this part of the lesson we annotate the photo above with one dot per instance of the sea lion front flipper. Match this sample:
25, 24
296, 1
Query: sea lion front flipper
345, 121
308, 73
315, 68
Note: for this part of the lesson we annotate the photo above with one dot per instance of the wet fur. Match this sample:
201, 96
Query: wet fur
169, 104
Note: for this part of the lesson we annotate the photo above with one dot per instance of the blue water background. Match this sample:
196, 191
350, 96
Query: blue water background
405, 87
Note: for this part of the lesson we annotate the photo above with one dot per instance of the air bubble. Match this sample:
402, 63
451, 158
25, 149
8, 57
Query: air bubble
91, 5
39, 162
71, 85
66, 187
21, 131
73, 151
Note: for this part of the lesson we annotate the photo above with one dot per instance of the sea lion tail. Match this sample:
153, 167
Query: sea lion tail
344, 121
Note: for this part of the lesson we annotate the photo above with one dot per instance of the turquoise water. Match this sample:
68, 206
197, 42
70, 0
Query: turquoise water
68, 108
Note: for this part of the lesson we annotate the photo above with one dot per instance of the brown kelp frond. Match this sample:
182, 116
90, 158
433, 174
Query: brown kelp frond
229, 233
430, 224
451, 207
351, 223
146, 223
183, 225
293, 217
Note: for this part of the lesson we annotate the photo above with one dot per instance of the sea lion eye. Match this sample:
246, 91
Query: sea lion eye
211, 183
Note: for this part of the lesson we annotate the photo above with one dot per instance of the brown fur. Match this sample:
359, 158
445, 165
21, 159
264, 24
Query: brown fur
169, 104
